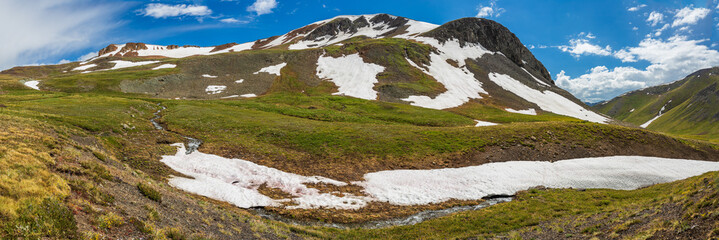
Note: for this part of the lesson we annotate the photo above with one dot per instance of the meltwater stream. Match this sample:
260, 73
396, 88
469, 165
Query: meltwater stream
193, 144
399, 221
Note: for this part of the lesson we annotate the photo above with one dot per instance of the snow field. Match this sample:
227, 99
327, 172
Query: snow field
351, 74
237, 181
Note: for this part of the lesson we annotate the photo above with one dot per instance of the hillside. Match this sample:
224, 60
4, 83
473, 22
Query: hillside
687, 107
373, 57
345, 122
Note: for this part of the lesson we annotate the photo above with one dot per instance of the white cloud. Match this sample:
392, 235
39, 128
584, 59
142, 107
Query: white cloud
160, 10
581, 46
489, 11
46, 29
634, 9
659, 31
655, 18
635, 28
262, 6
689, 16
87, 56
670, 60
233, 20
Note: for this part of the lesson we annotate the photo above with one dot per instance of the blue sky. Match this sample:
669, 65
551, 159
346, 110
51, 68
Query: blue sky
594, 49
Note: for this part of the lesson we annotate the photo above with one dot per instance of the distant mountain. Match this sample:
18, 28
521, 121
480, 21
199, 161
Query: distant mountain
468, 63
686, 107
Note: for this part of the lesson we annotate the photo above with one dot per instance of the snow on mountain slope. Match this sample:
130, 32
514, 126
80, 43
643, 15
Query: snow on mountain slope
274, 69
546, 100
351, 74
453, 44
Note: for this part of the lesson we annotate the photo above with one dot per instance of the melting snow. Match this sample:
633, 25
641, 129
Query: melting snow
529, 111
240, 81
410, 187
646, 124
208, 76
546, 100
274, 69
85, 67
236, 181
231, 96
631, 110
484, 124
249, 95
32, 84
535, 78
215, 89
163, 66
351, 74
126, 64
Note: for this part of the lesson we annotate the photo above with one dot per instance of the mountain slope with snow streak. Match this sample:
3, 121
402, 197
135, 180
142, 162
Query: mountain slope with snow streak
417, 63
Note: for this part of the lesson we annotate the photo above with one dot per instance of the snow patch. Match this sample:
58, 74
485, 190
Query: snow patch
546, 100
535, 78
631, 110
240, 81
646, 124
32, 84
529, 111
236, 181
164, 66
417, 187
126, 64
85, 67
351, 74
274, 69
249, 95
484, 124
208, 76
215, 89
231, 96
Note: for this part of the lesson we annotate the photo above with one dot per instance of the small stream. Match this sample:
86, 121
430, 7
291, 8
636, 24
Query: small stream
193, 144
400, 221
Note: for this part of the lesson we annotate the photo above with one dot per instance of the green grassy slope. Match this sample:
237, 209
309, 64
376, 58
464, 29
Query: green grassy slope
690, 106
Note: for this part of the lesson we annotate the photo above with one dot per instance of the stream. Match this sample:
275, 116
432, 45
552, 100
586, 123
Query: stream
193, 144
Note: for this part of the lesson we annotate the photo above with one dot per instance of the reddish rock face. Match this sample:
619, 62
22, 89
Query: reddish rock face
170, 47
223, 47
133, 47
110, 48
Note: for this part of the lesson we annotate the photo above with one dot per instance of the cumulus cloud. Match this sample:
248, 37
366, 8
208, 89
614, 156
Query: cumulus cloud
160, 10
655, 18
634, 9
669, 60
582, 46
262, 6
489, 11
46, 29
689, 16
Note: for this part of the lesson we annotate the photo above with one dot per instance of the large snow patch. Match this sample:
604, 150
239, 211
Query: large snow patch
415, 187
351, 74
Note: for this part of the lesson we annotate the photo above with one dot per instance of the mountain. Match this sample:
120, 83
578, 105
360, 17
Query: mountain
357, 121
463, 64
686, 107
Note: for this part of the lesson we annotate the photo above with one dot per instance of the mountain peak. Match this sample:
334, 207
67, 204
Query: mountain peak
492, 36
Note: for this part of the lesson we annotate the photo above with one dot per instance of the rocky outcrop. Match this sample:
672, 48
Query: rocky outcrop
336, 26
223, 47
110, 48
492, 36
